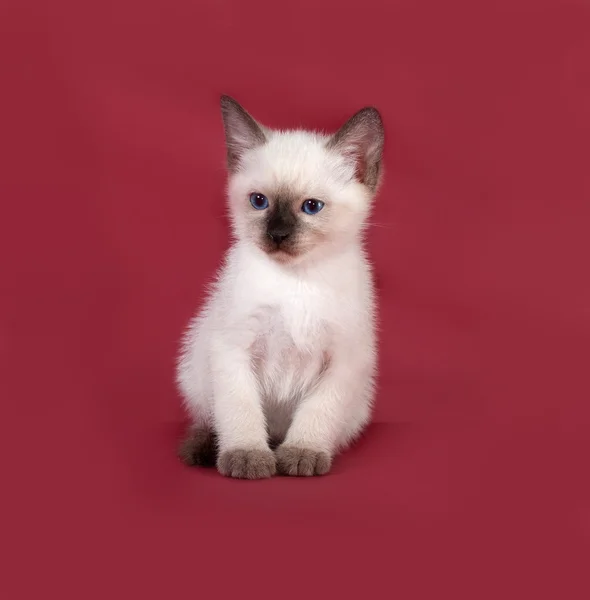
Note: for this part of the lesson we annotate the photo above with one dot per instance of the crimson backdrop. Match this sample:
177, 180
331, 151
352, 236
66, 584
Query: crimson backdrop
473, 483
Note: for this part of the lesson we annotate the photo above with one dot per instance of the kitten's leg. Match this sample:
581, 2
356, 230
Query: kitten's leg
328, 419
199, 447
238, 413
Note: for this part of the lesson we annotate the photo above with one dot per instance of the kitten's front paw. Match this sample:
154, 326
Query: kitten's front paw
302, 462
247, 464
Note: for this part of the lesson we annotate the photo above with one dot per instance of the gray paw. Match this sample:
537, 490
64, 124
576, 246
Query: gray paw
247, 464
302, 462
199, 448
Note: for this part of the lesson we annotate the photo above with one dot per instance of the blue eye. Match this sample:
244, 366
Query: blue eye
312, 207
258, 201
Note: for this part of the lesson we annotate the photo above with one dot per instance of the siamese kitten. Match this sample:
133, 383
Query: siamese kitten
277, 370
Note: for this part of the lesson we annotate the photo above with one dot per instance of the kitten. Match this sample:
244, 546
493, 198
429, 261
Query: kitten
277, 370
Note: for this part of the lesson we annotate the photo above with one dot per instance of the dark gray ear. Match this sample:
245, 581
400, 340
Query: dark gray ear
242, 132
361, 138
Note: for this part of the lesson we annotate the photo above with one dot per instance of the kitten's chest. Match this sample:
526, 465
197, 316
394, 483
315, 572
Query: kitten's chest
294, 327
291, 349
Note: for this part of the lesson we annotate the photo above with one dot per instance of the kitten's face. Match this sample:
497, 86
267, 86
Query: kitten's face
298, 194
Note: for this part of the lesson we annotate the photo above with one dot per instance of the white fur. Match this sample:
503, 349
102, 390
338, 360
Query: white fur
287, 349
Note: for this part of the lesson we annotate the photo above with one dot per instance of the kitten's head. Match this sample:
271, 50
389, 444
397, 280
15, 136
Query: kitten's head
298, 194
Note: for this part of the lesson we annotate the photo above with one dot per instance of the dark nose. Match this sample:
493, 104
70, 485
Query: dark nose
278, 236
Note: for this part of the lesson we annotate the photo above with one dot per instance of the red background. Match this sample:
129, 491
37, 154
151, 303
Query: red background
473, 483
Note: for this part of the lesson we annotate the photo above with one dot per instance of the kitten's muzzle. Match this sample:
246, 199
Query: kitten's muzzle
281, 227
280, 243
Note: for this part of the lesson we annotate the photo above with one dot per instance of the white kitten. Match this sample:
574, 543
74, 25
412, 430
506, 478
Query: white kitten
282, 356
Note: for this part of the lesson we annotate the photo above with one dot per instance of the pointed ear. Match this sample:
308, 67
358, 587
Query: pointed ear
361, 139
242, 132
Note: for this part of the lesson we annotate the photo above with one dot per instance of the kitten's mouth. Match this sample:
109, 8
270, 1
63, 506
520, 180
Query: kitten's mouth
280, 253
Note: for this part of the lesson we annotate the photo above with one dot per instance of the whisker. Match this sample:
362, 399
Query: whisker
382, 225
